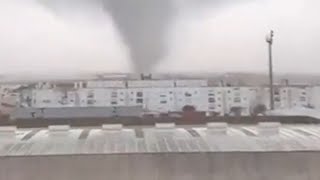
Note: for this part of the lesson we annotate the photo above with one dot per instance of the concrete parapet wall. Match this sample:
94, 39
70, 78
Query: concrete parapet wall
172, 166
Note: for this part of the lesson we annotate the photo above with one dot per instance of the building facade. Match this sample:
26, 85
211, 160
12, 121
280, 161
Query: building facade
164, 96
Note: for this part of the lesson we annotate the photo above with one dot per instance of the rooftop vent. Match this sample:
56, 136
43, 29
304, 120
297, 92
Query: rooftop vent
165, 125
8, 129
217, 128
8, 133
268, 128
112, 127
59, 128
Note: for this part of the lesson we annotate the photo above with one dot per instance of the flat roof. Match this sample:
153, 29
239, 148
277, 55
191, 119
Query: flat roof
115, 139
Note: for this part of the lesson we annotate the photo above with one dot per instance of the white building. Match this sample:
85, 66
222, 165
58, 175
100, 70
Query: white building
168, 96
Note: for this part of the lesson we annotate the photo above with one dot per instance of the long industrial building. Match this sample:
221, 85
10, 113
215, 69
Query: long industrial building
219, 151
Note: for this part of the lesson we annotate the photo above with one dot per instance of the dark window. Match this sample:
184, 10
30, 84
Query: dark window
163, 95
90, 94
114, 94
219, 105
212, 100
121, 100
170, 92
303, 93
236, 89
211, 94
46, 101
114, 102
139, 101
188, 94
302, 98
229, 91
237, 99
163, 102
84, 85
277, 99
139, 94
90, 101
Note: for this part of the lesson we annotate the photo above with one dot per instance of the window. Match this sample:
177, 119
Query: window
219, 99
170, 92
114, 94
188, 94
46, 101
90, 101
211, 100
277, 99
139, 101
90, 94
114, 102
302, 98
121, 100
139, 94
211, 94
237, 100
219, 105
236, 89
229, 91
303, 93
163, 102
163, 95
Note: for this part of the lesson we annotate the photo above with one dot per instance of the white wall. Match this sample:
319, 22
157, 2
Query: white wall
151, 83
197, 97
163, 96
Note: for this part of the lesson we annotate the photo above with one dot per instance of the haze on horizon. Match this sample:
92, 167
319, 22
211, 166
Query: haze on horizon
55, 36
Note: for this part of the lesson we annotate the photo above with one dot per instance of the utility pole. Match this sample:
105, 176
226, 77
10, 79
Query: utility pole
269, 40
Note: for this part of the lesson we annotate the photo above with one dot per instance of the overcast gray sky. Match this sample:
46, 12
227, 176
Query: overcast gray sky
83, 38
232, 39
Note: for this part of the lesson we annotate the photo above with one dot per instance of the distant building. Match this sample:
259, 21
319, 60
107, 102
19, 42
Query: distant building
163, 96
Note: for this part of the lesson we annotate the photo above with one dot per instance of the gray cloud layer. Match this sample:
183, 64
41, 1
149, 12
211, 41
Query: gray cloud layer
163, 36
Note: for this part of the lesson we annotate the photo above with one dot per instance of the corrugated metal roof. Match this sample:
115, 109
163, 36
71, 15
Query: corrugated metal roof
242, 138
